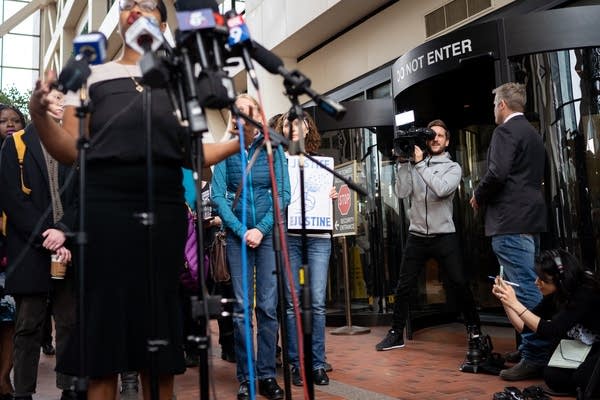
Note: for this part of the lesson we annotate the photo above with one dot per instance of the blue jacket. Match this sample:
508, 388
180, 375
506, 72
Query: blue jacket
227, 176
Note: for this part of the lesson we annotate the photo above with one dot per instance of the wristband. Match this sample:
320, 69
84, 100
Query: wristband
522, 312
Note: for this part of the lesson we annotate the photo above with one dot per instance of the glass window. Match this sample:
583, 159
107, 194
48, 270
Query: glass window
10, 7
359, 96
563, 88
29, 26
22, 79
381, 91
21, 51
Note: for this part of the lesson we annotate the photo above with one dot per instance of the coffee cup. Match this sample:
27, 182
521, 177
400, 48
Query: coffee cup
58, 269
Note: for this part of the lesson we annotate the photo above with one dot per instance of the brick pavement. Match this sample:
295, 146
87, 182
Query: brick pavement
426, 369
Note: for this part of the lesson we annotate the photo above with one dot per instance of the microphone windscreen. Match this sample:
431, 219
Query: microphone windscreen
91, 46
192, 20
73, 75
144, 32
266, 58
191, 5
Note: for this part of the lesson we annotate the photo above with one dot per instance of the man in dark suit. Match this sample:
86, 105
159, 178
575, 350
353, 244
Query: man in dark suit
38, 217
515, 211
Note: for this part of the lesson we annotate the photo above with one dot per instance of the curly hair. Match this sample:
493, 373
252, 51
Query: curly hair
312, 140
275, 121
15, 109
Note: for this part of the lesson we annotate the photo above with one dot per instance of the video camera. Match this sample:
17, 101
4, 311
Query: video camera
406, 140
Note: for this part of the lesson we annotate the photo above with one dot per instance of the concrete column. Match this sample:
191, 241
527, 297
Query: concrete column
65, 45
272, 89
96, 13
47, 14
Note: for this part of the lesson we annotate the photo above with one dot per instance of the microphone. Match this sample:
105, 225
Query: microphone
194, 25
267, 59
239, 37
144, 35
90, 48
200, 31
196, 21
296, 82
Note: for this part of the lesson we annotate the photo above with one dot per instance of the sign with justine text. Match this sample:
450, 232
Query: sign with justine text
317, 186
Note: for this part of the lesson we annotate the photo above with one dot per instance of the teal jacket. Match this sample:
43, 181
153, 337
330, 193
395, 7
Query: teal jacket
227, 176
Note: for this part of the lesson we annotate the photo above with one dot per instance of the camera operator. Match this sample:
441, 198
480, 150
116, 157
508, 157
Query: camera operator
430, 181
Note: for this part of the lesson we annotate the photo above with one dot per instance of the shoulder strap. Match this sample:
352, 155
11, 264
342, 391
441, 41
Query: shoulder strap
21, 147
246, 172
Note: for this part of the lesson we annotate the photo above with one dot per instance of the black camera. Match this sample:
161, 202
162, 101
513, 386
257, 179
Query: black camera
405, 141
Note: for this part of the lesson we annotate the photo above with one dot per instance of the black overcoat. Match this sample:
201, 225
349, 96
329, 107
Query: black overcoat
29, 215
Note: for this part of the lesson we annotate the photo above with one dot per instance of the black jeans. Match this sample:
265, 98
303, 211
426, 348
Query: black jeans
29, 331
47, 332
445, 249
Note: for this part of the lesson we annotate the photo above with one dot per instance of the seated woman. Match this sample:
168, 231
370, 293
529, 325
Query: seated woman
574, 293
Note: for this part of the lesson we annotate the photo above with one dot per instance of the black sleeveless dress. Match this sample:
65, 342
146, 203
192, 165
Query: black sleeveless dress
131, 272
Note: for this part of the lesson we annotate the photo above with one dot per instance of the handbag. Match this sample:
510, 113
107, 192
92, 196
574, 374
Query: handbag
218, 258
569, 354
189, 275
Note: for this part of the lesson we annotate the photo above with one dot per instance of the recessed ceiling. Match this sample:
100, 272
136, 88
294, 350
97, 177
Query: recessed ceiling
328, 24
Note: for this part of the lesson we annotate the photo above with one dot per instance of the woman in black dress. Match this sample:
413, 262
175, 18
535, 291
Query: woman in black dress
117, 314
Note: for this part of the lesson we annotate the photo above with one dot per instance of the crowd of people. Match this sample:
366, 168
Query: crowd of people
132, 289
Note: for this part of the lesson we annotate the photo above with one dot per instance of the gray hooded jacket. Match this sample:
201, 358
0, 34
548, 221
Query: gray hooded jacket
430, 184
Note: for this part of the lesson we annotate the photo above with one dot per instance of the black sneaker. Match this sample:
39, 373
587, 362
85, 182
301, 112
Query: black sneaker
320, 377
244, 391
270, 389
393, 340
296, 377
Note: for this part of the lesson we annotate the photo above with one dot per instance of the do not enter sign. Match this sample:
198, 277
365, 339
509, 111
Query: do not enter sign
344, 200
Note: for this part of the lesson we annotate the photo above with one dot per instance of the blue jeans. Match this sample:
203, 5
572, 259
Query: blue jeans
319, 250
517, 252
261, 261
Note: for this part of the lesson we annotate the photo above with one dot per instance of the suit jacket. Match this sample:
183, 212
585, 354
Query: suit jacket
511, 190
26, 214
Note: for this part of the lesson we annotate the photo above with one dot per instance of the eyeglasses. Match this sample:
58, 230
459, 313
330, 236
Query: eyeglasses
144, 5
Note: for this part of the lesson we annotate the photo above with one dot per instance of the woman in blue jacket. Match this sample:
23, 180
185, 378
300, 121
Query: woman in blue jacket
257, 235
